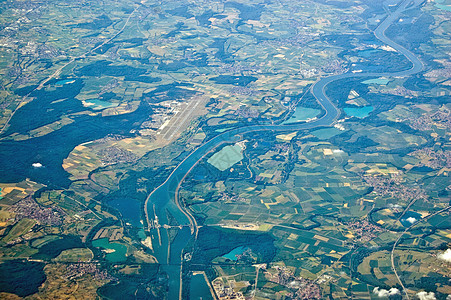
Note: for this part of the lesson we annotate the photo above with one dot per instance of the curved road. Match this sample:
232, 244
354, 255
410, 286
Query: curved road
162, 204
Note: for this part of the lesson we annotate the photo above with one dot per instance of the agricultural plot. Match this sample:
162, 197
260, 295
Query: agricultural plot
88, 157
75, 255
19, 229
324, 181
387, 137
102, 100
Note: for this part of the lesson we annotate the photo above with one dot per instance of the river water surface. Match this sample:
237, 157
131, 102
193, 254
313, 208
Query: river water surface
164, 199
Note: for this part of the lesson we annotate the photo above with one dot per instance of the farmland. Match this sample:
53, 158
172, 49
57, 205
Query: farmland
104, 102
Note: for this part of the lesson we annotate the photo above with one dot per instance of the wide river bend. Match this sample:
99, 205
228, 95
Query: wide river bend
164, 198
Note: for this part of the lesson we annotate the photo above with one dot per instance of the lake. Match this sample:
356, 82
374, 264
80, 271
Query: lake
227, 157
119, 253
232, 255
359, 112
382, 81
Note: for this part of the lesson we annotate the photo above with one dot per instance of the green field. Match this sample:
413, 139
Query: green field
75, 255
22, 227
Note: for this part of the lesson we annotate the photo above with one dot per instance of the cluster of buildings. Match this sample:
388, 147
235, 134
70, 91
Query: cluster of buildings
110, 137
437, 73
441, 117
28, 208
309, 73
161, 115
282, 148
434, 159
244, 91
41, 51
282, 276
364, 230
160, 41
113, 155
296, 40
226, 293
303, 288
246, 112
334, 67
307, 289
393, 187
77, 270
226, 197
400, 91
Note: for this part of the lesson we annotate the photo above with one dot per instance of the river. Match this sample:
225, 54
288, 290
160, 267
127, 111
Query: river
165, 198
